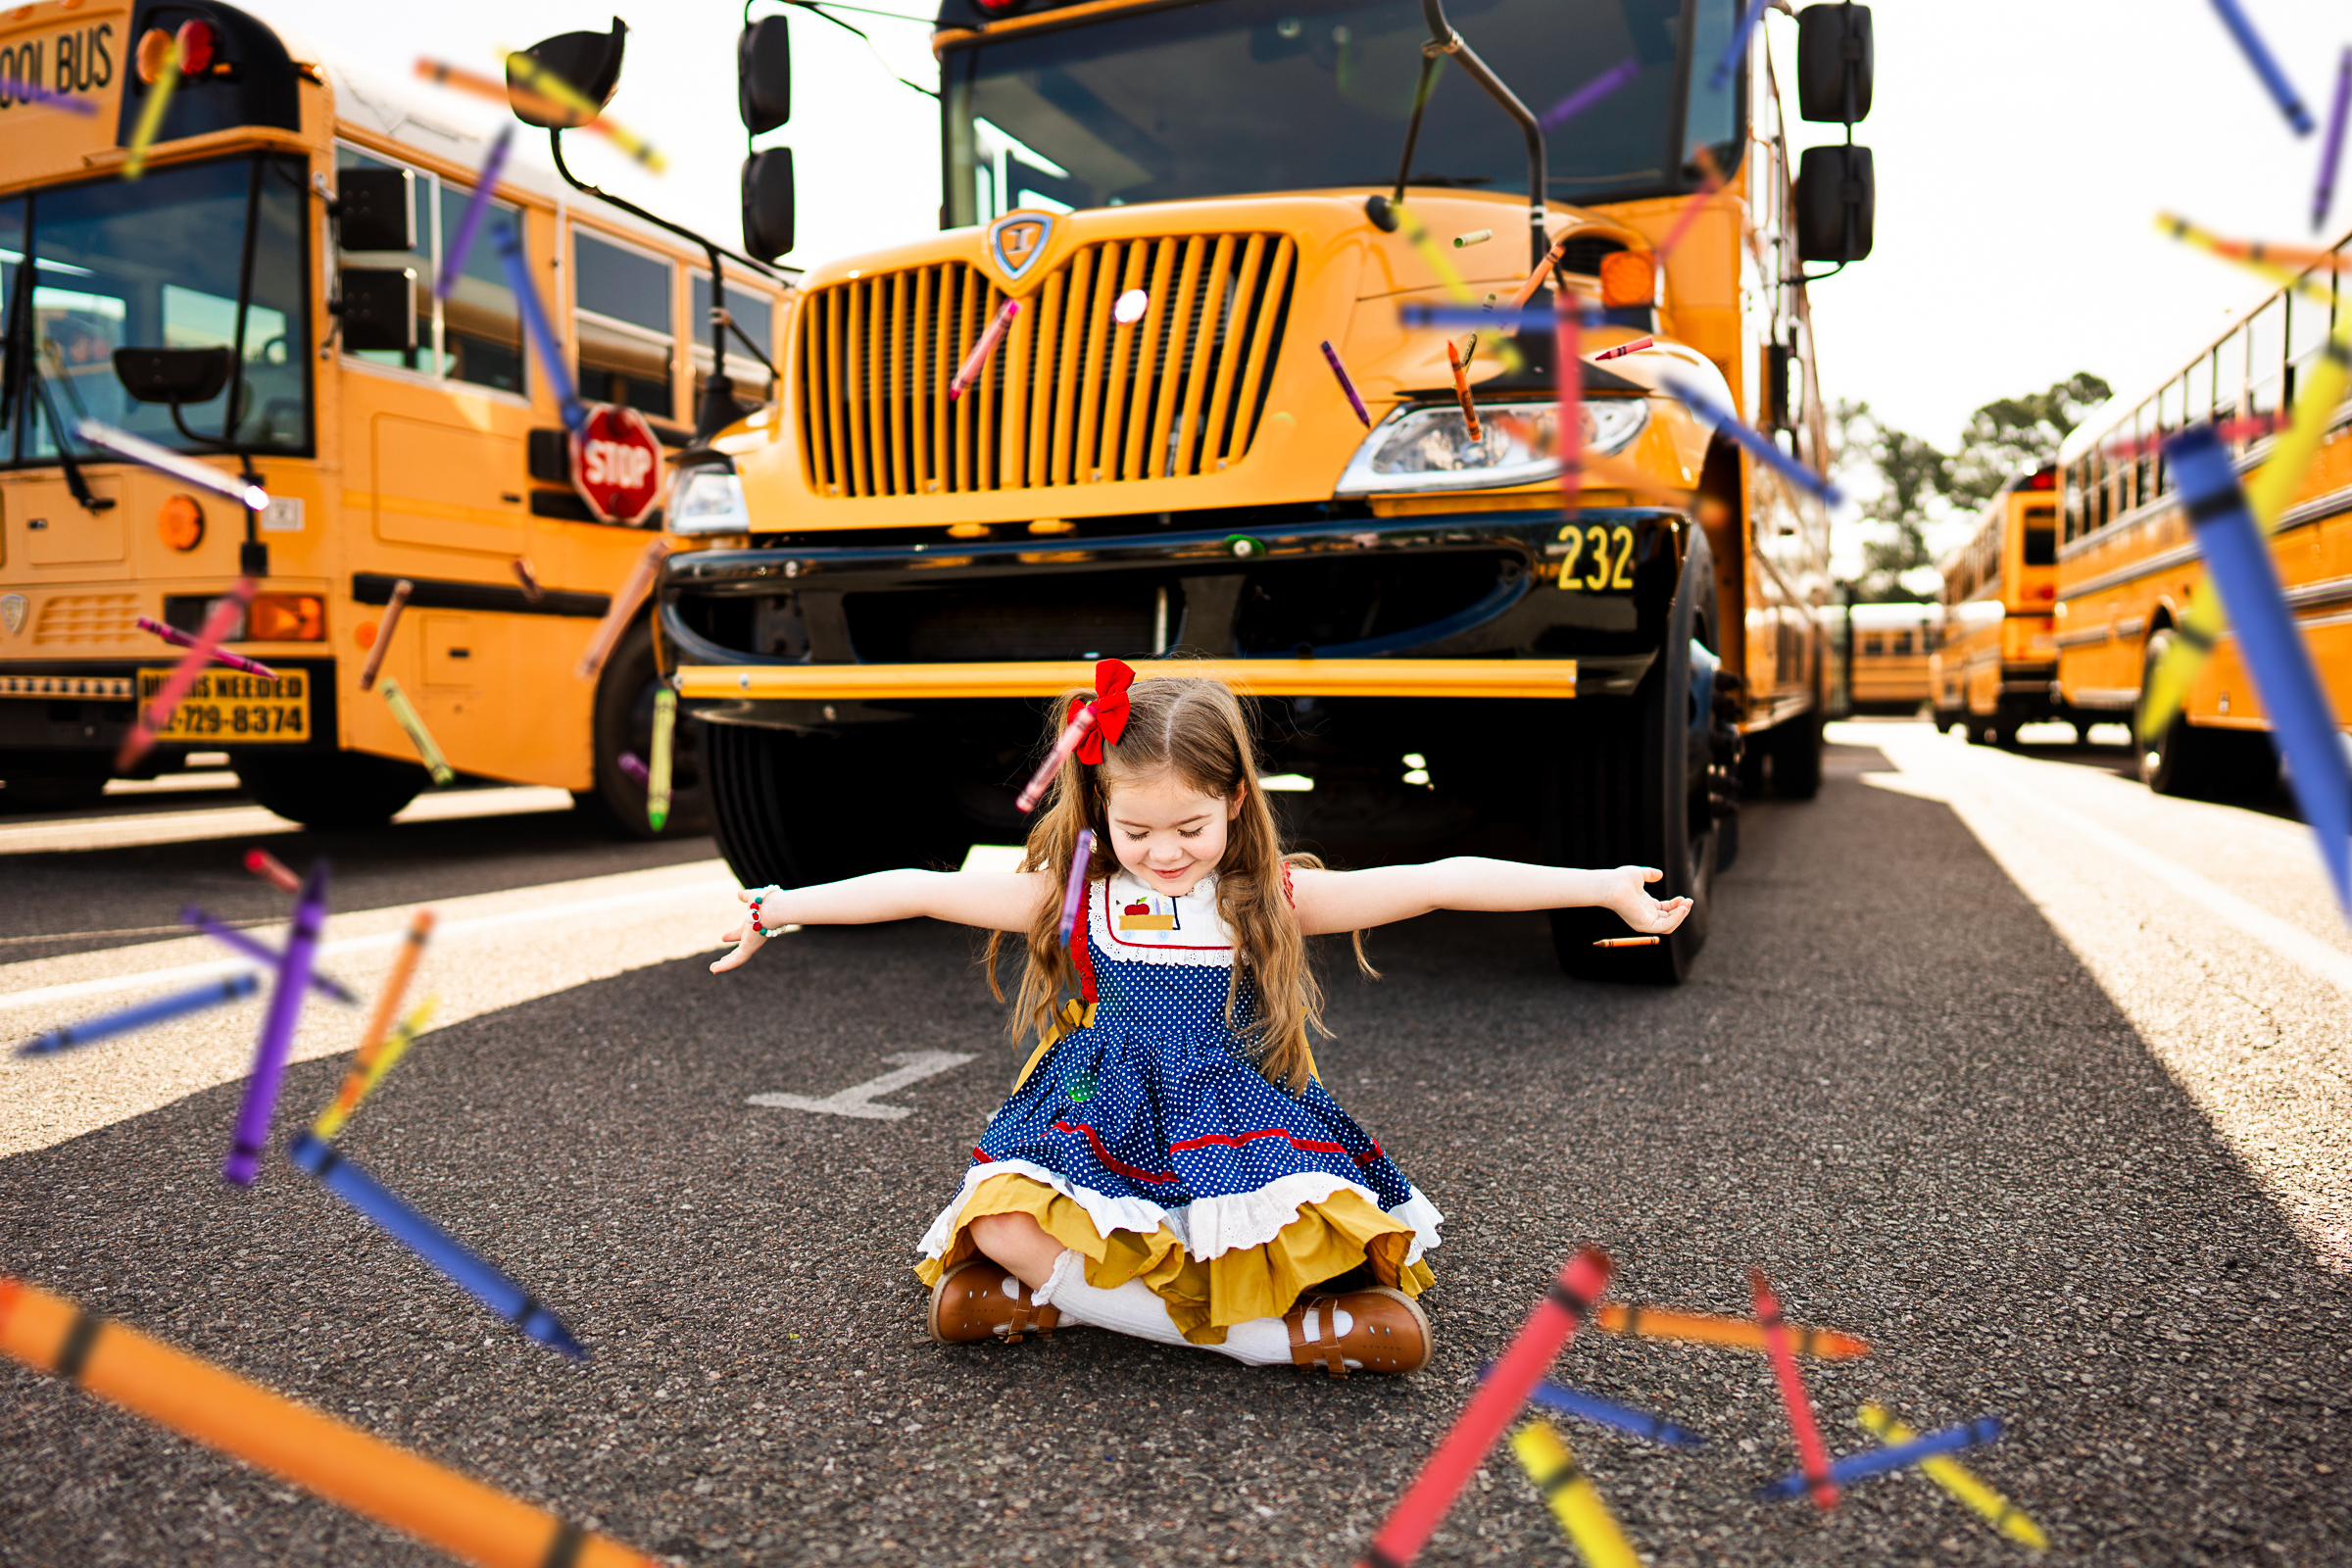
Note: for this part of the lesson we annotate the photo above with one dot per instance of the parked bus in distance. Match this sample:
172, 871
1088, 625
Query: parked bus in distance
1192, 205
2128, 563
1998, 666
1893, 647
283, 240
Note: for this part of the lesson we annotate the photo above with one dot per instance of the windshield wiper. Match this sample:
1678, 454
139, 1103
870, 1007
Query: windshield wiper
90, 500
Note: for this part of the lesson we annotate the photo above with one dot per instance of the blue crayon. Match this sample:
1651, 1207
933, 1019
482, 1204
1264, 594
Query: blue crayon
2258, 55
1590, 93
244, 1162
1735, 48
1772, 456
1451, 317
470, 224
2271, 644
325, 985
534, 319
1899, 1456
428, 1240
1592, 1407
211, 994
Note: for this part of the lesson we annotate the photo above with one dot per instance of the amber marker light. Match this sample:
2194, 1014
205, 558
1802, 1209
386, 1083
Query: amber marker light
180, 522
1628, 277
155, 47
287, 619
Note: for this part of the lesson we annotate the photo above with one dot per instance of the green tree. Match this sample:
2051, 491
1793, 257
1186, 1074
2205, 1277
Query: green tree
1911, 475
2010, 436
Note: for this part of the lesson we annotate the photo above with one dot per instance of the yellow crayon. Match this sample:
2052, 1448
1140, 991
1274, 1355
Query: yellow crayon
1956, 1478
150, 113
410, 720
368, 1069
1572, 1498
539, 80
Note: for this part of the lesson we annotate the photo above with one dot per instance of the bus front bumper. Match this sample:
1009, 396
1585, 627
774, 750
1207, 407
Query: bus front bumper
1551, 678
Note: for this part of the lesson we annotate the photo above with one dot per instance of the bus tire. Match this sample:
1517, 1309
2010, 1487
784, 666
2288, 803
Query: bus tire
624, 721
1796, 748
1624, 783
332, 790
796, 808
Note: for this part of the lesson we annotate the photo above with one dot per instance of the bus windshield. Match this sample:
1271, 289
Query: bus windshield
157, 263
1244, 96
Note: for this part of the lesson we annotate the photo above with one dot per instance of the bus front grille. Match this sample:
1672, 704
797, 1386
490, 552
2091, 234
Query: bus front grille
1070, 397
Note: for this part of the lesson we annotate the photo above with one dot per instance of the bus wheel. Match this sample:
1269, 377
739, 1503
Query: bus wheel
624, 723
793, 808
329, 789
1624, 783
1796, 748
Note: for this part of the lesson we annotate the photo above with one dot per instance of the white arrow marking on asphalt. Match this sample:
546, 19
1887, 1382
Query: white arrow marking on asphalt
858, 1099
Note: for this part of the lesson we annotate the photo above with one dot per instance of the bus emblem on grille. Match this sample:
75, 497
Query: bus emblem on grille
1017, 240
12, 612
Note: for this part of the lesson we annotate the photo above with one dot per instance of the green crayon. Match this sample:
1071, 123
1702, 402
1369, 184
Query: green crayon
409, 720
656, 789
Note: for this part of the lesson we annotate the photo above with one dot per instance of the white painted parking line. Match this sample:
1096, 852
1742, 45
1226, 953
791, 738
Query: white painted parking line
858, 1099
240, 821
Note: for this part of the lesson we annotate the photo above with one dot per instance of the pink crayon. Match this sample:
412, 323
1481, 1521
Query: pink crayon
634, 766
226, 613
1076, 891
970, 371
1341, 371
181, 639
1080, 722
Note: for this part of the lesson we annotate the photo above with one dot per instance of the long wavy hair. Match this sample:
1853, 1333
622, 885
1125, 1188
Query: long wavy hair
1196, 730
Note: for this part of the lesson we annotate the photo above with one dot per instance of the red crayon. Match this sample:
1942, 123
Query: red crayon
1814, 1459
1622, 349
272, 870
1493, 1408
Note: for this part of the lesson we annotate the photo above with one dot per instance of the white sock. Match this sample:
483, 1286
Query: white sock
1136, 1310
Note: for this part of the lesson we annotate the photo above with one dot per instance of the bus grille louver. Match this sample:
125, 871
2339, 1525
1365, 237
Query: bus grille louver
1070, 397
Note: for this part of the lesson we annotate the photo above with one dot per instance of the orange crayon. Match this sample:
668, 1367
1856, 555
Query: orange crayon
1738, 1333
214, 1406
1461, 385
1627, 942
361, 1074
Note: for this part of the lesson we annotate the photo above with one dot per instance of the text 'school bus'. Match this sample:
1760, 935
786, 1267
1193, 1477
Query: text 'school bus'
1893, 645
1183, 474
1998, 666
2127, 562
399, 436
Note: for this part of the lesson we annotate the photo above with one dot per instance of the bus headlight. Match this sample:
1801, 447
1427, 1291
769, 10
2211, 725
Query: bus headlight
1429, 448
709, 499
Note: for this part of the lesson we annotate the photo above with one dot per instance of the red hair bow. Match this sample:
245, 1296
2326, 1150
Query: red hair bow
1111, 680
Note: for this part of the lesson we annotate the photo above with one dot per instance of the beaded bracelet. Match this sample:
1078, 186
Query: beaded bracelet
752, 913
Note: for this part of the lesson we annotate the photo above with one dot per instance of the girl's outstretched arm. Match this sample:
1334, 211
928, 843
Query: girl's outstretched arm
1351, 900
995, 901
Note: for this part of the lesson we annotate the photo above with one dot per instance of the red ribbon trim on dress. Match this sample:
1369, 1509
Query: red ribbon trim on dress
1232, 1141
1111, 1160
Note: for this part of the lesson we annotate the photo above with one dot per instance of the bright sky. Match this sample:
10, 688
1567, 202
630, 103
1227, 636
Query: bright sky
2021, 149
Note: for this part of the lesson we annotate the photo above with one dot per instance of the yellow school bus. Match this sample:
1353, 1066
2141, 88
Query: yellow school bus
287, 230
1894, 646
1998, 663
2127, 562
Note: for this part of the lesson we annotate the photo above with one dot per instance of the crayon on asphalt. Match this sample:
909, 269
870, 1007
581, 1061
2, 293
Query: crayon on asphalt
544, 342
1707, 1328
975, 362
623, 607
1608, 1413
1465, 1446
1331, 357
1813, 1458
435, 1246
251, 1135
219, 656
232, 1416
657, 782
32, 92
1897, 1457
405, 714
2258, 55
360, 1079
1721, 77
261, 952
1074, 893
1959, 1481
272, 870
155, 717
396, 984
150, 113
1568, 1492
477, 207
1590, 93
1772, 456
393, 605
1627, 942
211, 994
2324, 197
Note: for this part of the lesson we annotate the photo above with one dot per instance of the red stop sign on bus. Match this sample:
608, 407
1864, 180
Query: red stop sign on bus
616, 463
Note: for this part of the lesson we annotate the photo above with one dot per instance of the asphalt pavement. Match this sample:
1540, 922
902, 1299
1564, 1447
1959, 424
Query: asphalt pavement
1965, 1080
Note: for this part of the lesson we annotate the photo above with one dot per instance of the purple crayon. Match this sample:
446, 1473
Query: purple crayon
1075, 893
470, 224
1590, 93
634, 766
244, 1162
2325, 197
33, 93
1346, 385
324, 985
219, 655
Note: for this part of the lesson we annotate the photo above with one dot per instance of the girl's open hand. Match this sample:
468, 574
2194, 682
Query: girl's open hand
1636, 908
748, 941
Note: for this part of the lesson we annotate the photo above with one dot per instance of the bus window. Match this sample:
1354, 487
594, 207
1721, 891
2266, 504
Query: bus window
481, 331
755, 315
2198, 402
1903, 643
622, 302
2266, 356
1873, 643
2042, 537
2229, 374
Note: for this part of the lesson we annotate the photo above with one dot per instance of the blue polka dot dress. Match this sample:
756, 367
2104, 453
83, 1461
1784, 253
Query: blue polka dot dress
1145, 1137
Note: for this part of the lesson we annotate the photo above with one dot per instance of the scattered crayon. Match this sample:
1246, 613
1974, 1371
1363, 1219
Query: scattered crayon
396, 985
1568, 1492
1035, 790
657, 782
211, 994
633, 767
219, 656
2324, 197
180, 466
623, 607
1960, 1482
1477, 236
1590, 93
1813, 1458
442, 74
32, 92
1706, 1327
1417, 235
262, 953
1570, 441
1464, 1447
228, 610
150, 113
524, 574
2267, 264
1897, 1457
2271, 645
1461, 388
1330, 356
346, 1466
367, 1071
1627, 942
393, 605
244, 1162
975, 362
1622, 349
435, 1246
1710, 183
537, 78
2258, 55
544, 342
1074, 893
405, 714
1535, 280
477, 207
1452, 317
272, 870
1608, 1413
1772, 456
1737, 47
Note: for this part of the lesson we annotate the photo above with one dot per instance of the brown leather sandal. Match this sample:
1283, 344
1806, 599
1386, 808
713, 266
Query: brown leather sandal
977, 1299
1387, 1334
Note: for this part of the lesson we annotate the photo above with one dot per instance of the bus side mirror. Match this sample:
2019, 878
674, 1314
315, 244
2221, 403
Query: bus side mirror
763, 75
1836, 198
767, 204
375, 210
172, 375
379, 308
1835, 61
588, 62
